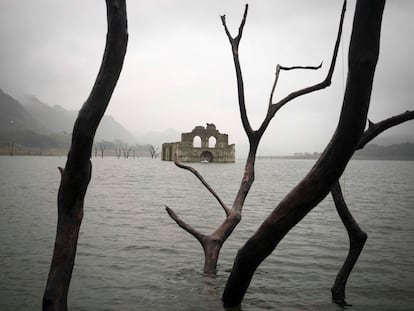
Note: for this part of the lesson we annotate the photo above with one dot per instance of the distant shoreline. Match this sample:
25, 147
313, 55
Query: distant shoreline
355, 157
358, 158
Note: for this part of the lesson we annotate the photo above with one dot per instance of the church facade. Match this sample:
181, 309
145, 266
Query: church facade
202, 144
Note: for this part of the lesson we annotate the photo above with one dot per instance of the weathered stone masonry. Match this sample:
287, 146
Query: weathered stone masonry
214, 147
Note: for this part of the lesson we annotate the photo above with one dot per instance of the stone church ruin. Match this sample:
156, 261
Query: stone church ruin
200, 145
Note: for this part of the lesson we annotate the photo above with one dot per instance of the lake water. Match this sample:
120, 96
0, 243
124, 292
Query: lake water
132, 256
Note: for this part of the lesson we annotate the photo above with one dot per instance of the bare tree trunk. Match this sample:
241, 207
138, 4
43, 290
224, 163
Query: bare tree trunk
363, 56
102, 148
76, 175
357, 237
212, 243
11, 148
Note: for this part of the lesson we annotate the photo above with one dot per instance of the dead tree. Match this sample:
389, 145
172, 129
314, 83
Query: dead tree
213, 242
126, 150
102, 149
313, 188
153, 151
10, 147
76, 175
118, 152
357, 237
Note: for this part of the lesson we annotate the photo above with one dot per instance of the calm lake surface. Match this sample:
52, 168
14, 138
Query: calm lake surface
132, 256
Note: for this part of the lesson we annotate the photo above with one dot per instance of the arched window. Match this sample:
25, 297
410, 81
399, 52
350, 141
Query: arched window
212, 142
197, 142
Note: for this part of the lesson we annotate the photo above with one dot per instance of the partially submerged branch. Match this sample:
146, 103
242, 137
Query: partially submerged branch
204, 182
184, 225
356, 235
357, 238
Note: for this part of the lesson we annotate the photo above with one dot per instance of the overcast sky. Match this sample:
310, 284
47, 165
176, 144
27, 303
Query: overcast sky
178, 71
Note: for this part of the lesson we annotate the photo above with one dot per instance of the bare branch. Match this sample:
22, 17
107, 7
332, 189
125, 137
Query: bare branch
199, 236
243, 22
280, 67
325, 83
357, 238
375, 129
240, 85
236, 40
204, 182
302, 67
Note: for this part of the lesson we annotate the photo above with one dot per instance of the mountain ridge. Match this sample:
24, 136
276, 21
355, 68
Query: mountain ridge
31, 114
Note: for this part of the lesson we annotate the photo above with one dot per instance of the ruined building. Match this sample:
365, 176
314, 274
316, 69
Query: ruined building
200, 145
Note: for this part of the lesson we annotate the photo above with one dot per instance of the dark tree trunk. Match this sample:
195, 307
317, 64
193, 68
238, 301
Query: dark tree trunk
363, 56
76, 175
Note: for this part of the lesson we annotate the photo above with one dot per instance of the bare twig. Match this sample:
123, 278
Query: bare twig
199, 236
280, 67
204, 182
240, 85
301, 67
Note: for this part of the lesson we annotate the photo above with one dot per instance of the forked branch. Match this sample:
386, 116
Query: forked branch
236, 40
375, 129
325, 83
240, 85
278, 68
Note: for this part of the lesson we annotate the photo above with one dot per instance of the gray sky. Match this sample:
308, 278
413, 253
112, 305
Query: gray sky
178, 71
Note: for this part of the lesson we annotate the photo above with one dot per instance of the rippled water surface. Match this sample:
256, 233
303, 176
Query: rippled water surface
132, 256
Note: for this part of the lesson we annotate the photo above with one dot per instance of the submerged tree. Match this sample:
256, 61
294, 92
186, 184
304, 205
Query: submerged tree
357, 237
76, 175
10, 147
363, 56
153, 151
213, 242
102, 148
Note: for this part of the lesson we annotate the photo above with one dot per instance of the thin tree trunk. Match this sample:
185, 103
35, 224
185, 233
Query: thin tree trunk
363, 56
76, 175
357, 237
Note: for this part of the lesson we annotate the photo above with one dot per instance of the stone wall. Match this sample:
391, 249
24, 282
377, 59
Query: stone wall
213, 147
